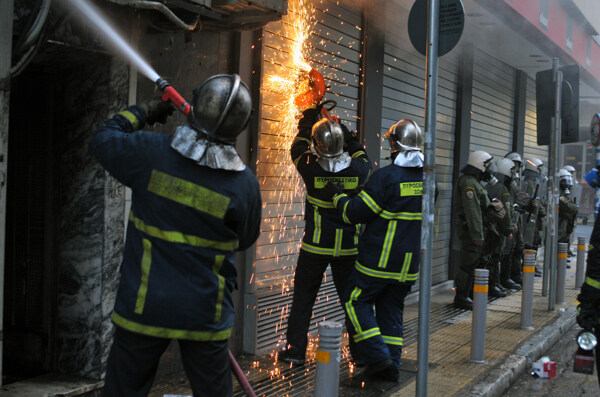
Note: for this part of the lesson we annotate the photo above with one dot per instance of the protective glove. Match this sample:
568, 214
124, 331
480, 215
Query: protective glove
155, 110
348, 135
309, 118
330, 190
587, 315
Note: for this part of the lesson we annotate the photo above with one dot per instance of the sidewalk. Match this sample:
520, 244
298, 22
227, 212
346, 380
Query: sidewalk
509, 352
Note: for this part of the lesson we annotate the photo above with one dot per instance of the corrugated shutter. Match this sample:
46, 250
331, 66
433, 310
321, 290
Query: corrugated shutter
404, 97
492, 105
531, 148
335, 46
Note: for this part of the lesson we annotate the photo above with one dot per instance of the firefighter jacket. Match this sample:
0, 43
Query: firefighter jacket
325, 233
185, 225
470, 203
567, 210
390, 206
590, 290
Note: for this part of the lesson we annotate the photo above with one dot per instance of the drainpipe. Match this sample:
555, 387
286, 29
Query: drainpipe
6, 25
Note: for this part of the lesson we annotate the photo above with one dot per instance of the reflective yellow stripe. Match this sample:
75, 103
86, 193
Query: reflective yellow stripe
407, 216
216, 269
367, 334
176, 237
368, 200
145, 271
337, 198
328, 251
319, 203
300, 139
350, 309
357, 234
297, 159
135, 123
188, 194
592, 283
385, 275
317, 233
170, 333
406, 265
358, 154
337, 245
387, 244
392, 340
480, 288
344, 216
528, 269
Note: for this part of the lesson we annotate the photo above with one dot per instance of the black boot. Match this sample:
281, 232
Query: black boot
463, 286
496, 292
509, 284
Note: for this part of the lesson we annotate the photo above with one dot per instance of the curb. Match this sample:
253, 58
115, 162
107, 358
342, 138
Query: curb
497, 381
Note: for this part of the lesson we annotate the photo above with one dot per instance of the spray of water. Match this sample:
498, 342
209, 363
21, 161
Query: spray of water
112, 37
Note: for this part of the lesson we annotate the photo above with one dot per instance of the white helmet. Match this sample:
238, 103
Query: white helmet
506, 167
514, 156
564, 175
480, 160
534, 164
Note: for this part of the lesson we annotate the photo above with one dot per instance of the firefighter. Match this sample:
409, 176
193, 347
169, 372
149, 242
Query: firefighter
567, 210
471, 202
588, 311
194, 205
338, 157
503, 230
389, 248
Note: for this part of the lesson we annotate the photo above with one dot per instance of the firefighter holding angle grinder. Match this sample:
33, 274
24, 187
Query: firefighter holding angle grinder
194, 205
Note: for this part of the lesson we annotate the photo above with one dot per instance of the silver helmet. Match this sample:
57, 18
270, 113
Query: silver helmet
405, 136
534, 164
221, 107
327, 138
506, 167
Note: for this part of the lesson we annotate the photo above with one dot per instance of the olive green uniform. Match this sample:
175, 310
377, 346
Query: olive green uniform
470, 203
498, 232
567, 210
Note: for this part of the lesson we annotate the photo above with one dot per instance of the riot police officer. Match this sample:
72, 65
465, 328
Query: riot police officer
471, 202
503, 230
567, 210
575, 197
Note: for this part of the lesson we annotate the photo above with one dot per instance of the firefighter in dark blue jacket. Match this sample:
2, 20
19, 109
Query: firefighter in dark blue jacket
194, 205
339, 158
388, 251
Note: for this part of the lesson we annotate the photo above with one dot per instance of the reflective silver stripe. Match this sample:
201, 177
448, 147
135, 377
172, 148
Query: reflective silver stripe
319, 203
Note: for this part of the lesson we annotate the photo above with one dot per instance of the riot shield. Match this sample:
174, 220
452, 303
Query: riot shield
530, 184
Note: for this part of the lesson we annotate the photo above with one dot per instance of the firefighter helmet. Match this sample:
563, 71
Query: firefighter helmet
327, 138
221, 107
480, 160
404, 136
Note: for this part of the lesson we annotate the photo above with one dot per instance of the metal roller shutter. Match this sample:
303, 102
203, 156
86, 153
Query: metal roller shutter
335, 45
531, 148
493, 105
404, 97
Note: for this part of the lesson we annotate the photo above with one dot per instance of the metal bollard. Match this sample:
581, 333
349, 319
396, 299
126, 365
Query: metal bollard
580, 270
527, 289
561, 272
480, 295
328, 359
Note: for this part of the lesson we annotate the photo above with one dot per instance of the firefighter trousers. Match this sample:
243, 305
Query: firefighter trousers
134, 358
377, 334
307, 281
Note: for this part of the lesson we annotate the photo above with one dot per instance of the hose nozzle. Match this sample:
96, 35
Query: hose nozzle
170, 95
